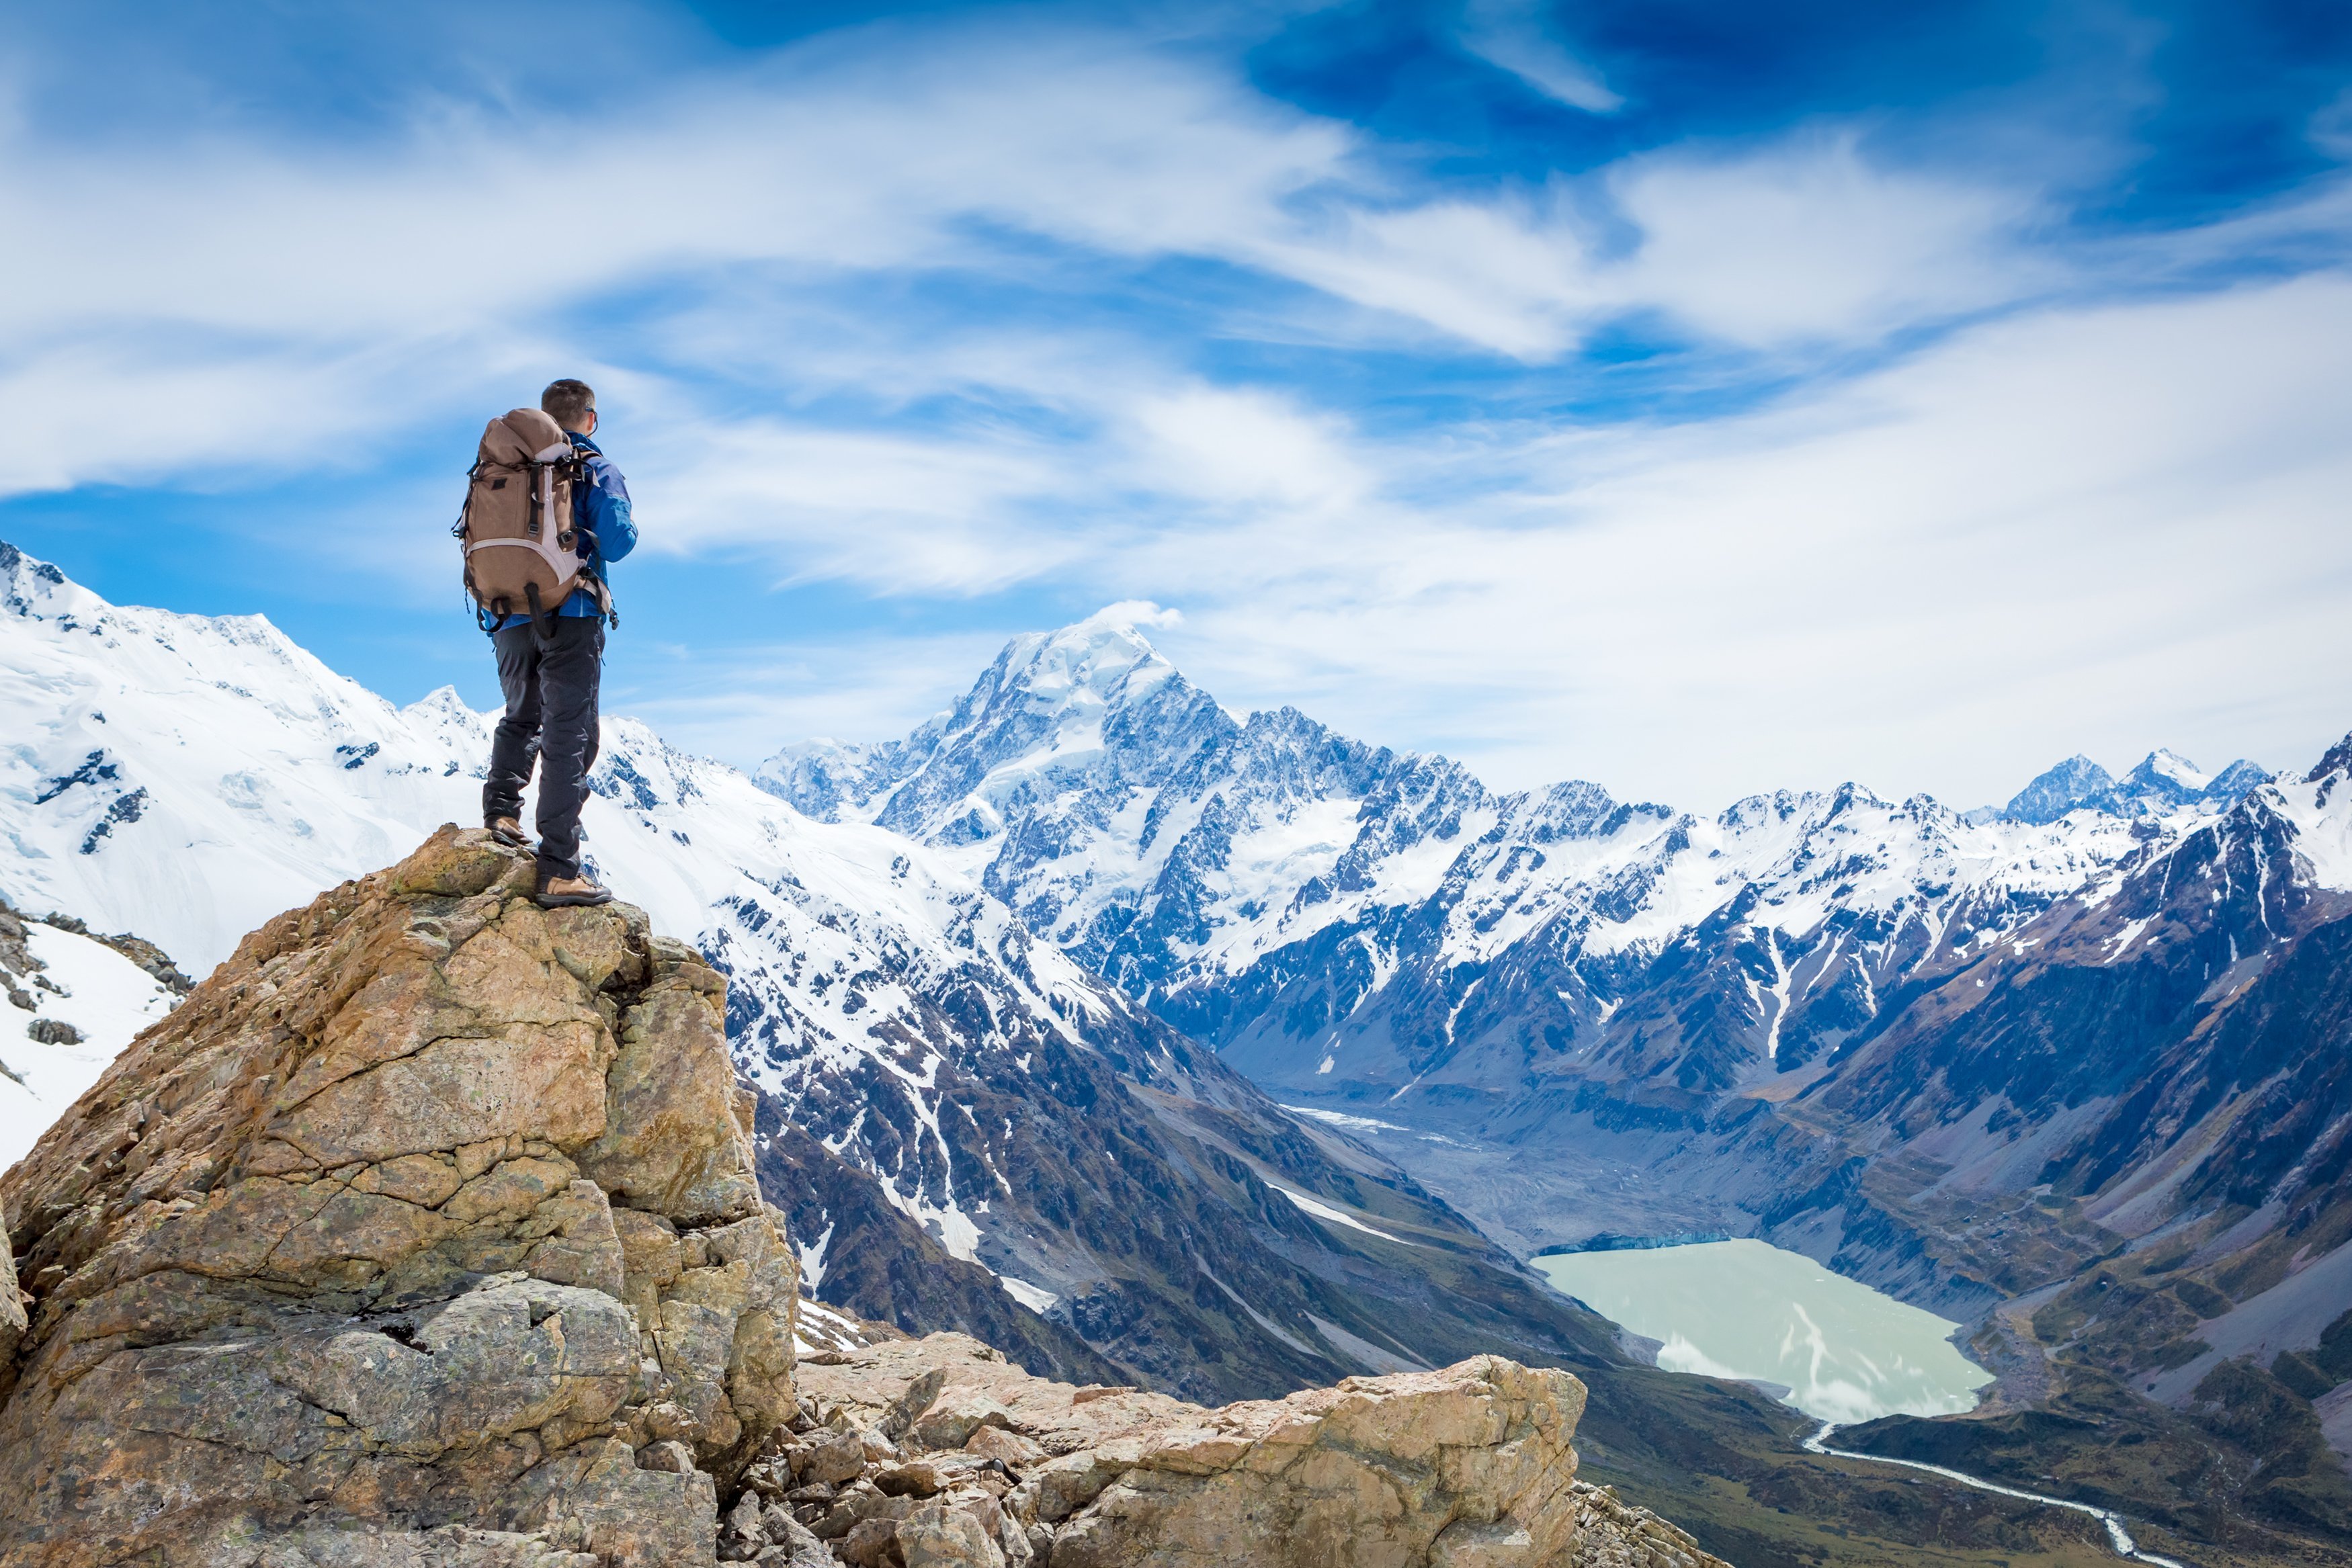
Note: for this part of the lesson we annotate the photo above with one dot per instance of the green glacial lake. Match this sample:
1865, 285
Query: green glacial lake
1745, 1310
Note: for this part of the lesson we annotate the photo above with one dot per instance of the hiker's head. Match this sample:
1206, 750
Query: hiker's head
573, 404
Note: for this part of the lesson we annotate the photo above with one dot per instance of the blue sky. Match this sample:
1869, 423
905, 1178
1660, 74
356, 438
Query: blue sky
1696, 397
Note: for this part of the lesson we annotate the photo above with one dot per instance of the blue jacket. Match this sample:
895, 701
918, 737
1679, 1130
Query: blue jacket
600, 511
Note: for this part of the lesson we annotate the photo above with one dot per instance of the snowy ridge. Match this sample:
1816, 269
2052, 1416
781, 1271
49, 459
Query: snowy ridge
247, 774
1123, 813
1331, 908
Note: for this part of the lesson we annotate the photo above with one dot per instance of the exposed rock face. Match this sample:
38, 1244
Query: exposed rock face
1615, 1534
425, 1230
938, 1451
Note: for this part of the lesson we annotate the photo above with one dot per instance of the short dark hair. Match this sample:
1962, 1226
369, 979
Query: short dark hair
569, 402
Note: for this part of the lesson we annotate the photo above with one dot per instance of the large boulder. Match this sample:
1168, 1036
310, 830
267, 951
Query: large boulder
937, 1450
424, 1231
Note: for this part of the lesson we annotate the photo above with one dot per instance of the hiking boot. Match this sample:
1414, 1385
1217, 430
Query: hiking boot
509, 831
571, 892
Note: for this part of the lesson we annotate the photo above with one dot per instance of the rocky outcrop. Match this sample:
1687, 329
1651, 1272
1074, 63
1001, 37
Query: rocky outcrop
1613, 1534
425, 1230
938, 1451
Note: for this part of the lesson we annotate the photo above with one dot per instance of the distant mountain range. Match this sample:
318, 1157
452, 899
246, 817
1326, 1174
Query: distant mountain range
2164, 783
1352, 922
2090, 1050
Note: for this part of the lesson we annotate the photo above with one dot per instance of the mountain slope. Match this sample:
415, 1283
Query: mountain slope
68, 1004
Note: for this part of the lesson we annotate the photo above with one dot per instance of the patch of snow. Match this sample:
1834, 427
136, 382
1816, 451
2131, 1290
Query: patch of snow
108, 999
812, 1260
1322, 1211
1341, 1119
1035, 1298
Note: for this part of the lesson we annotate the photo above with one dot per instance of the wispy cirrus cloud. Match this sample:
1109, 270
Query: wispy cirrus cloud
1510, 34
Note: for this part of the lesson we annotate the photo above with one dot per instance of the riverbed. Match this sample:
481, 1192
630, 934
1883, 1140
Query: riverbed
1831, 1346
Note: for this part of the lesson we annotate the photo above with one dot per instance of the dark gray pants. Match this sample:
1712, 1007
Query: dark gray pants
550, 684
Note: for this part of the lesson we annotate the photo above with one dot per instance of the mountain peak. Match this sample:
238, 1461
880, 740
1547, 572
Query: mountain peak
1097, 655
33, 588
2169, 766
2337, 759
2077, 782
2163, 782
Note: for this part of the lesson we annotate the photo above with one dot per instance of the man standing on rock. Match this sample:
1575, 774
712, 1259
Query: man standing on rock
550, 667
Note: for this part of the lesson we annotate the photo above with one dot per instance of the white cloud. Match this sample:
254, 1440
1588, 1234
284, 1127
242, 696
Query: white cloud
338, 285
1251, 449
1809, 240
2098, 530
892, 515
1508, 275
1141, 612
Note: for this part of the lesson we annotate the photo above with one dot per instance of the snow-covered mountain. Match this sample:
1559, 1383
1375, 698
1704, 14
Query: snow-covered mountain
2163, 784
2092, 1045
1351, 922
1129, 819
938, 1082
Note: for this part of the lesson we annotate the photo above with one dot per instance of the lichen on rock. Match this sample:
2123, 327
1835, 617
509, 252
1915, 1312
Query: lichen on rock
424, 1230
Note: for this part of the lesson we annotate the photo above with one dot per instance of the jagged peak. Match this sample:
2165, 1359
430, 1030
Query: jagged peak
442, 702
2165, 764
1106, 652
1849, 795
37, 590
2337, 759
1754, 810
2058, 790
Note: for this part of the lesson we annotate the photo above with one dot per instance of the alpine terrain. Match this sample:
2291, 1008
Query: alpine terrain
2071, 1069
977, 1028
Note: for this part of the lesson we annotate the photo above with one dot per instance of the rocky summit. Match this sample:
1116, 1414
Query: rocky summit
427, 1230
424, 1230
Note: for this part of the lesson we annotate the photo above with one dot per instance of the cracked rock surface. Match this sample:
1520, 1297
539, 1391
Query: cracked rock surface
424, 1232
938, 1451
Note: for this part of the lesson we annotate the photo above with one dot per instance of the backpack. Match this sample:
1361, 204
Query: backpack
521, 551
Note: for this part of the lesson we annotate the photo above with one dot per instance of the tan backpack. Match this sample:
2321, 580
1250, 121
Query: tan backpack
521, 554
